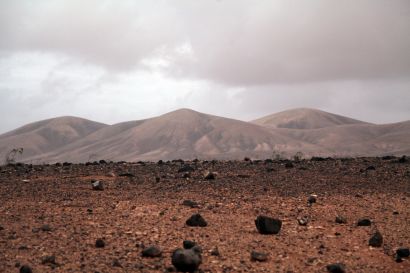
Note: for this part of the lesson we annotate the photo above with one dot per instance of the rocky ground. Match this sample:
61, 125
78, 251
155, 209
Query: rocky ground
52, 220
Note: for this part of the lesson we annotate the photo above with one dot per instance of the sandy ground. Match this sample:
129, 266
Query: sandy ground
53, 211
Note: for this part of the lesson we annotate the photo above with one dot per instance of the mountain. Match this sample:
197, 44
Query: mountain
188, 134
46, 135
179, 134
304, 118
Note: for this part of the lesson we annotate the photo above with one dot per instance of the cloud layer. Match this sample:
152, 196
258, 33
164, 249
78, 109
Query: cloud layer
118, 60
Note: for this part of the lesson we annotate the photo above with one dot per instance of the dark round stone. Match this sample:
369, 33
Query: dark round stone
187, 260
341, 220
26, 269
151, 252
268, 225
311, 199
403, 252
259, 256
188, 244
190, 203
364, 222
196, 220
336, 268
376, 240
99, 243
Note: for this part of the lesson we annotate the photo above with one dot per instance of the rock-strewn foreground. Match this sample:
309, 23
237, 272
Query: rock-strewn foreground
52, 219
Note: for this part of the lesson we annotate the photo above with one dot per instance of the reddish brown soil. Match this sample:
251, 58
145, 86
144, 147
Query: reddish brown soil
136, 211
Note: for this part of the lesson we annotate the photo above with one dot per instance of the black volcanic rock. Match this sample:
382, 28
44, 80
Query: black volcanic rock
336, 268
190, 203
403, 252
25, 269
209, 175
99, 243
187, 260
268, 225
51, 260
259, 256
196, 220
376, 240
289, 165
340, 219
98, 185
185, 168
188, 244
402, 159
364, 222
126, 175
312, 199
151, 251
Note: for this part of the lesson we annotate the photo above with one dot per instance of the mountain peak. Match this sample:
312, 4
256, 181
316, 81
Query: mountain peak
305, 118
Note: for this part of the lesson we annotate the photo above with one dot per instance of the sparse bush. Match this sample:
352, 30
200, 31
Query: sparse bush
278, 155
13, 154
298, 156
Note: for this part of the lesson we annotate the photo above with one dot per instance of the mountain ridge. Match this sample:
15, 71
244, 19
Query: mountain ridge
188, 134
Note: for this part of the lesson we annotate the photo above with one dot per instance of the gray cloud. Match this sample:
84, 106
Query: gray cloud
112, 61
232, 42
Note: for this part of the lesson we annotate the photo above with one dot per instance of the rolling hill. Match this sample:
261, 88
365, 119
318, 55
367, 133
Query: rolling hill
188, 134
304, 118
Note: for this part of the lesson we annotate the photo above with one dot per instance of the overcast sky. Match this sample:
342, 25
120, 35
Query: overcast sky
113, 61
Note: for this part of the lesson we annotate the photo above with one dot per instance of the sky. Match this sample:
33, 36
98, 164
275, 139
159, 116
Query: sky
114, 61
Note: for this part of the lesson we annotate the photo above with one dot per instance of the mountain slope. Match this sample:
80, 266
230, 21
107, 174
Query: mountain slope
180, 134
188, 134
46, 135
304, 118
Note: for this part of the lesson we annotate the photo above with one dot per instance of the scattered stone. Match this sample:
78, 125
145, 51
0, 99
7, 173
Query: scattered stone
35, 230
51, 260
268, 225
371, 168
157, 179
45, 228
364, 222
215, 252
187, 260
247, 159
403, 252
289, 165
188, 244
312, 199
116, 263
186, 168
402, 159
98, 185
196, 220
395, 213
209, 175
26, 269
151, 252
259, 256
336, 268
190, 203
303, 221
376, 240
341, 220
126, 175
99, 243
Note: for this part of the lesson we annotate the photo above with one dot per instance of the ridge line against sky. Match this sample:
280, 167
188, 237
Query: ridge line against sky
127, 60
